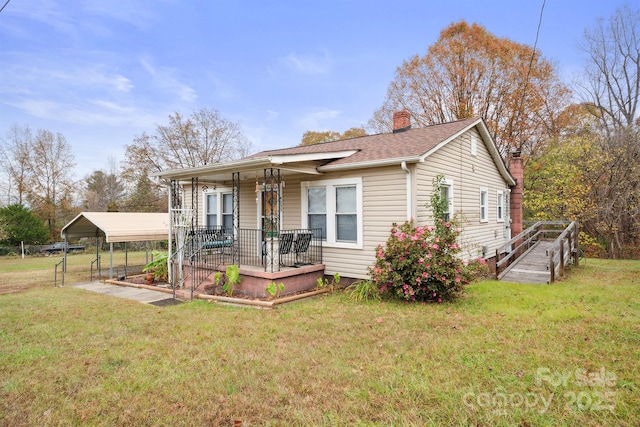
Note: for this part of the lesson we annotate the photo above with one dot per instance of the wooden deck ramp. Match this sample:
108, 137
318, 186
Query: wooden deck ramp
531, 267
539, 254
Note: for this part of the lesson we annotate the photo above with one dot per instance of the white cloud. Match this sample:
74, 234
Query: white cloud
307, 64
319, 119
163, 77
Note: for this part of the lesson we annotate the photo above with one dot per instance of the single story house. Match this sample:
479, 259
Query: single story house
343, 197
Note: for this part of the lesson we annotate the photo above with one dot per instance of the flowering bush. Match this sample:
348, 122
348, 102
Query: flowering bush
420, 263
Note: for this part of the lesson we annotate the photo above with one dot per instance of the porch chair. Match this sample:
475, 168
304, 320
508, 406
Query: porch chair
302, 245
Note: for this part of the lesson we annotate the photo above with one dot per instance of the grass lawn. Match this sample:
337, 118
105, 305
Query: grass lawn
505, 354
17, 274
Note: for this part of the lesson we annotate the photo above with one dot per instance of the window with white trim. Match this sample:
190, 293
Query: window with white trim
317, 209
211, 215
446, 189
346, 214
227, 211
334, 207
484, 205
500, 206
219, 209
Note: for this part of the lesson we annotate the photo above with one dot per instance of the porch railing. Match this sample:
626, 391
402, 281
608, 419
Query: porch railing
206, 248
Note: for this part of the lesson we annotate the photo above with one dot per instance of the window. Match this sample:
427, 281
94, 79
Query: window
474, 145
346, 214
227, 211
334, 207
219, 210
212, 210
317, 209
446, 189
500, 206
484, 205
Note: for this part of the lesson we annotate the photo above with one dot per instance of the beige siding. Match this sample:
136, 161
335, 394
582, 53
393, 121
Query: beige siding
469, 173
383, 203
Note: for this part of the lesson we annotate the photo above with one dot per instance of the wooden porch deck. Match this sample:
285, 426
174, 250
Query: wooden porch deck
532, 266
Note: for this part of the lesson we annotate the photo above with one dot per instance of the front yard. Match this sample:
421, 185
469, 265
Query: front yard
504, 354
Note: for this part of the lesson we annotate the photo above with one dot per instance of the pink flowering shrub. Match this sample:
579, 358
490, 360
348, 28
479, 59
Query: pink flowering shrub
420, 263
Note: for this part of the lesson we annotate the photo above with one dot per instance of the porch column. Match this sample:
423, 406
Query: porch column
235, 252
272, 215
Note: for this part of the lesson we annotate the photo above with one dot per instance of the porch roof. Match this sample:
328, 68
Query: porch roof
119, 226
305, 163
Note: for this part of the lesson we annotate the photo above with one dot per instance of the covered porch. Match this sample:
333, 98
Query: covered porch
234, 214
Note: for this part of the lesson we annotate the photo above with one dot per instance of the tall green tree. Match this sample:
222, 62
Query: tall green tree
146, 197
19, 224
104, 190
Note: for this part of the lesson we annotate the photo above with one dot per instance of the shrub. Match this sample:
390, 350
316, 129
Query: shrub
420, 263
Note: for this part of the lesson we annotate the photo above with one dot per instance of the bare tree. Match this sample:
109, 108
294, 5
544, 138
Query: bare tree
14, 159
612, 76
50, 184
468, 72
201, 139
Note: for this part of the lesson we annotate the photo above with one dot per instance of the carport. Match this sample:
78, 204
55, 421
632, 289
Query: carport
117, 227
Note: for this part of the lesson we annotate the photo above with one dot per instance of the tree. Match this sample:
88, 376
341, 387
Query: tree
592, 177
201, 139
146, 197
50, 183
612, 76
611, 88
14, 159
468, 72
313, 137
104, 190
19, 224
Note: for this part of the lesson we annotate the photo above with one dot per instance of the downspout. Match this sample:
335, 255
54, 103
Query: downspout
404, 167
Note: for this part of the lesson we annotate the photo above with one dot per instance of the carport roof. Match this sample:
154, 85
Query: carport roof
119, 226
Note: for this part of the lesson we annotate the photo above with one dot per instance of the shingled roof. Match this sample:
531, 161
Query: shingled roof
408, 143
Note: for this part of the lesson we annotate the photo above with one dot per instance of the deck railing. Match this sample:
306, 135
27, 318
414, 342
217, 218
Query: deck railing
563, 251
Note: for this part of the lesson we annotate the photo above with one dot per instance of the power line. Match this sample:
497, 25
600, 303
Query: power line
4, 5
533, 55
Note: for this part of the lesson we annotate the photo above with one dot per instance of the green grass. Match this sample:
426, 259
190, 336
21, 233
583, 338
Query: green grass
17, 273
71, 357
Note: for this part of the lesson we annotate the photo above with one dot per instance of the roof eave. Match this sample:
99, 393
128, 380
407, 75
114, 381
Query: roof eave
369, 164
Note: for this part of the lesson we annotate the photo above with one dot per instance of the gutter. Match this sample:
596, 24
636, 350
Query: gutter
368, 164
404, 167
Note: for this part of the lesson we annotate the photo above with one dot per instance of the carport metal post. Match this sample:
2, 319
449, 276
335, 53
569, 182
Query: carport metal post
64, 255
111, 260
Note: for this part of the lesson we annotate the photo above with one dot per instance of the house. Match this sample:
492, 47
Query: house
345, 195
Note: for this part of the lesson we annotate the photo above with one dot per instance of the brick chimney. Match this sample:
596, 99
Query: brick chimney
515, 201
401, 121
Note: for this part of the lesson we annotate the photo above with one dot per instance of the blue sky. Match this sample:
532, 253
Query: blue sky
101, 72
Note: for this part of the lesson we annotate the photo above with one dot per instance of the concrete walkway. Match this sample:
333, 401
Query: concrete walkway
145, 296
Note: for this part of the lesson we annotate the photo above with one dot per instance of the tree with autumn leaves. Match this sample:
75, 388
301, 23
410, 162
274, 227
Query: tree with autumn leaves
469, 72
591, 169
